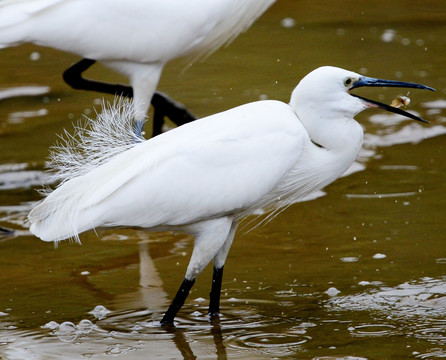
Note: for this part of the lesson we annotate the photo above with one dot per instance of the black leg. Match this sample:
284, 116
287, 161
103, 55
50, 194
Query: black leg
177, 302
214, 303
162, 104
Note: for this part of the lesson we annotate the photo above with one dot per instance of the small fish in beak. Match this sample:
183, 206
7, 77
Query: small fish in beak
400, 101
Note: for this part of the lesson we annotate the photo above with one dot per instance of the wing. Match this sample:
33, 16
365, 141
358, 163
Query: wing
214, 166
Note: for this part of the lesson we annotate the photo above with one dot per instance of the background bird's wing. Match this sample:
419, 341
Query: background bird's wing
13, 11
149, 31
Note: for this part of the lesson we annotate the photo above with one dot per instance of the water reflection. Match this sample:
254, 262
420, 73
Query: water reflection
119, 333
18, 91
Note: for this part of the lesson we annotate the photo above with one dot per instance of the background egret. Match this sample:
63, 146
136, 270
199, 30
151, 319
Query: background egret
204, 177
135, 38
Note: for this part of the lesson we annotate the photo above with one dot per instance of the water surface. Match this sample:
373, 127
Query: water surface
358, 273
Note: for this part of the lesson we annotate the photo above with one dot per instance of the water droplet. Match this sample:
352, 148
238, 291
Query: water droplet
388, 35
288, 22
35, 55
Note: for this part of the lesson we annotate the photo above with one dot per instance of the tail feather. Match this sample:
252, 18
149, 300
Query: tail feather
57, 217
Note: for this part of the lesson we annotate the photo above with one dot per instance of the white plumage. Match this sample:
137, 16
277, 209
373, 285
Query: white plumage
205, 176
133, 37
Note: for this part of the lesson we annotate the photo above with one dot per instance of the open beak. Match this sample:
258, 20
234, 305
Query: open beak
367, 81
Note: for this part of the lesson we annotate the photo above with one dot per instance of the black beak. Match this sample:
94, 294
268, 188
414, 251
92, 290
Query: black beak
367, 81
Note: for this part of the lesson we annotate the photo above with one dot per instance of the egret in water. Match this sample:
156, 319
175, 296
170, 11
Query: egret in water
133, 37
204, 177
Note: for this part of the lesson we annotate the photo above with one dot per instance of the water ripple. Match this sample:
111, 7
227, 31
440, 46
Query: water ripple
424, 297
373, 330
16, 176
269, 343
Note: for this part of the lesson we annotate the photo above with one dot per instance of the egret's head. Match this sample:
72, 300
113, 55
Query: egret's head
325, 94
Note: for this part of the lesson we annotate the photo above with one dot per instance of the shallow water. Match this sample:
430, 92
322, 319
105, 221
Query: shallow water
358, 273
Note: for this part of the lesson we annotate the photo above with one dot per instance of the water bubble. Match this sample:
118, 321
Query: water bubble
100, 312
364, 283
332, 291
67, 327
52, 325
379, 256
67, 332
349, 259
85, 326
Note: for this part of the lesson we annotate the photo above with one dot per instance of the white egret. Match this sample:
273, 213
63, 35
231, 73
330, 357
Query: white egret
203, 177
133, 37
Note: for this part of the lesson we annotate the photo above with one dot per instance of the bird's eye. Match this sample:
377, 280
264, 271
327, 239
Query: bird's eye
348, 82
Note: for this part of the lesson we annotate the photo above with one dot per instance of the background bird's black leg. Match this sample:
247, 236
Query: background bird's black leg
158, 117
214, 303
6, 231
177, 302
162, 104
73, 77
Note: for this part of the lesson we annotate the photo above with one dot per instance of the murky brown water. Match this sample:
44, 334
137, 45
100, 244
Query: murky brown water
359, 273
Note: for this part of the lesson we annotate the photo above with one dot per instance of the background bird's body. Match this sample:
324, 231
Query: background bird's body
150, 31
135, 38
